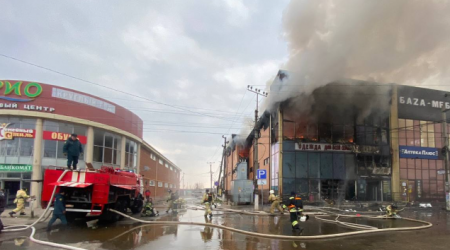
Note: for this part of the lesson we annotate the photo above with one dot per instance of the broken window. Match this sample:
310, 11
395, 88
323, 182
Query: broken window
338, 134
325, 133
349, 134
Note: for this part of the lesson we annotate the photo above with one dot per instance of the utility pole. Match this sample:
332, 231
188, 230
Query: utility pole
222, 163
256, 136
446, 163
210, 172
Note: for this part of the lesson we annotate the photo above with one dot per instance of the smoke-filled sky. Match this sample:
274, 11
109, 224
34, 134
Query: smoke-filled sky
401, 41
199, 56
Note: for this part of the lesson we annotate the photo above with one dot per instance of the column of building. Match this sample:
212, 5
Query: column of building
89, 149
395, 179
36, 176
122, 152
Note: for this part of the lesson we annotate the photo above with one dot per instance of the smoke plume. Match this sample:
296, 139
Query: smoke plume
384, 41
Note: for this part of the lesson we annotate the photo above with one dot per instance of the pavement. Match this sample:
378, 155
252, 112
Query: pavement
127, 234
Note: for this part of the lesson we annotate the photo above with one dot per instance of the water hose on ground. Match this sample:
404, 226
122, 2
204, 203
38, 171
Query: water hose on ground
17, 228
287, 237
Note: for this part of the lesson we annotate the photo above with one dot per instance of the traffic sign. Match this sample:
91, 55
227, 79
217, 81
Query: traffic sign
262, 182
261, 174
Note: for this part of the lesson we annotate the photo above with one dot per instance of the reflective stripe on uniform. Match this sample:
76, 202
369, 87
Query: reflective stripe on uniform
294, 223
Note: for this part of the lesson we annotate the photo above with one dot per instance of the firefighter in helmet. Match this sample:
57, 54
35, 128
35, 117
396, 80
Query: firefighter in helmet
170, 200
148, 210
21, 197
391, 211
208, 200
275, 202
295, 210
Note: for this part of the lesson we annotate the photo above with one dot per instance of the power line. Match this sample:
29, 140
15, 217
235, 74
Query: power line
237, 111
103, 86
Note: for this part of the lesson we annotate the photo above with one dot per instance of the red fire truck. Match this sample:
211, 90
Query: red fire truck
91, 192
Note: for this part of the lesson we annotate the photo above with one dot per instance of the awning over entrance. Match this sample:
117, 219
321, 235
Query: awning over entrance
129, 187
71, 184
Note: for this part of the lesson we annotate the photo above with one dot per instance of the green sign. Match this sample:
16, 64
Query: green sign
16, 168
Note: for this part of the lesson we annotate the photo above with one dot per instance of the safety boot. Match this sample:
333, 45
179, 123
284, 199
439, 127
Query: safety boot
12, 213
23, 213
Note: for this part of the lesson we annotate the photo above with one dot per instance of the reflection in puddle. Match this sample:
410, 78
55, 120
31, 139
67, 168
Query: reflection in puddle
129, 235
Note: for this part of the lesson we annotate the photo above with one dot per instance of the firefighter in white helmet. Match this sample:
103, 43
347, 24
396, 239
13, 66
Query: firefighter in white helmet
275, 202
208, 199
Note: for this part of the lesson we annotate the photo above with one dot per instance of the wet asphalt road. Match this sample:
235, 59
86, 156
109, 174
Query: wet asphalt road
129, 235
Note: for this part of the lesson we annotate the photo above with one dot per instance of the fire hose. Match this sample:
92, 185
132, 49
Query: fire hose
363, 229
17, 228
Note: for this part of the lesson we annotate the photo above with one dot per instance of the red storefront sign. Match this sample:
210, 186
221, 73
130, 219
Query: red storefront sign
58, 136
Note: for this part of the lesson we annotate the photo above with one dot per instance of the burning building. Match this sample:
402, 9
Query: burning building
352, 140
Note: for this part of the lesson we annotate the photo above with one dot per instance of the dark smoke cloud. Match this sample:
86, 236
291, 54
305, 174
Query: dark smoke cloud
400, 41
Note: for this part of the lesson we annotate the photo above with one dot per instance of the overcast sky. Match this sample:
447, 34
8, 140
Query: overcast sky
198, 55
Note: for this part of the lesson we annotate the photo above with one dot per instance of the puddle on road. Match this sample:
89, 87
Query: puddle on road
129, 235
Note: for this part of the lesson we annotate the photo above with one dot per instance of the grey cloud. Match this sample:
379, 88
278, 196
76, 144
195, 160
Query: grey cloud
189, 53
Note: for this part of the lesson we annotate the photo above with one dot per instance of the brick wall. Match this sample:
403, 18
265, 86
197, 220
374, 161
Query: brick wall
152, 170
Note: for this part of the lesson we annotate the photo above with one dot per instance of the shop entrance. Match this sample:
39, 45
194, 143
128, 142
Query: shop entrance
350, 193
11, 188
374, 191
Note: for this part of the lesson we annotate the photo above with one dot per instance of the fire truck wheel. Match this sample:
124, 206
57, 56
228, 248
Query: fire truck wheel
121, 206
137, 206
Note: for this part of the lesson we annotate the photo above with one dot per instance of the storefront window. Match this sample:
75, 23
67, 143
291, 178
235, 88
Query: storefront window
431, 138
106, 147
325, 133
402, 132
420, 133
50, 149
409, 132
26, 146
349, 134
130, 154
17, 147
423, 134
54, 149
26, 176
338, 134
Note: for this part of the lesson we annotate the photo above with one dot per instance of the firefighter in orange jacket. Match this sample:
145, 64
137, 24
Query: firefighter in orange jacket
295, 210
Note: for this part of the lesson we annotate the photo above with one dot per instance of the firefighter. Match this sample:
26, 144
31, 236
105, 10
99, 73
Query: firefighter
72, 148
21, 197
295, 209
275, 202
2, 207
147, 194
391, 211
170, 200
148, 210
59, 211
208, 200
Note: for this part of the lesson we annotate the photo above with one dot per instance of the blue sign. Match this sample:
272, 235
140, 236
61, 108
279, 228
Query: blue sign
419, 152
261, 174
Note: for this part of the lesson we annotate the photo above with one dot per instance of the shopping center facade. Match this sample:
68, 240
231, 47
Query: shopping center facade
350, 140
37, 118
